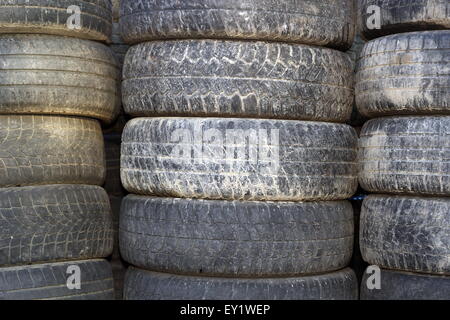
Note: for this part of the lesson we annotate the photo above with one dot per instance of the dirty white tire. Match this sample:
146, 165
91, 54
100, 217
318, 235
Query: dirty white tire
239, 159
42, 74
323, 23
215, 78
51, 17
406, 155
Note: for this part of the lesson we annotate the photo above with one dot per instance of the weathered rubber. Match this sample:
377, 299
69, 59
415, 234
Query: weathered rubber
324, 23
118, 46
237, 79
405, 74
239, 159
49, 281
42, 74
406, 155
51, 17
234, 238
39, 150
396, 285
403, 16
54, 223
146, 285
406, 233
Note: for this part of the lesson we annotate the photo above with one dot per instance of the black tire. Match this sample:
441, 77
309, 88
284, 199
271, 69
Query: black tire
146, 285
406, 155
113, 185
405, 74
404, 16
325, 23
241, 159
50, 17
406, 233
237, 79
49, 281
119, 269
396, 285
54, 223
42, 74
233, 238
38, 150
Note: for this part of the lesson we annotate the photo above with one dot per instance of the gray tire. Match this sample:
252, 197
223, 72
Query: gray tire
49, 281
404, 16
42, 74
405, 74
37, 150
239, 159
406, 233
234, 238
51, 17
237, 79
406, 155
325, 23
54, 223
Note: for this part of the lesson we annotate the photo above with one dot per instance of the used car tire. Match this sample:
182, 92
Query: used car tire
242, 79
239, 159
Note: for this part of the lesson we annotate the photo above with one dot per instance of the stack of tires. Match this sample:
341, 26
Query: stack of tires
403, 83
240, 164
56, 83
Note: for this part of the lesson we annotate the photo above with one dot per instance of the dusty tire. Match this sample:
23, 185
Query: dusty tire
49, 281
54, 223
306, 22
234, 238
118, 46
406, 233
404, 16
241, 159
396, 285
405, 74
37, 150
237, 79
50, 17
146, 285
405, 155
43, 74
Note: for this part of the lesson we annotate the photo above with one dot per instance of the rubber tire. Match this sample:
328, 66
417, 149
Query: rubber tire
404, 16
49, 281
217, 78
39, 150
396, 285
53, 75
405, 74
405, 155
146, 285
50, 17
118, 46
232, 238
311, 160
406, 233
328, 23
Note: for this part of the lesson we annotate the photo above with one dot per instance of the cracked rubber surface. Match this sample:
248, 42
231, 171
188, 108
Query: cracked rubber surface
396, 285
243, 79
42, 74
37, 150
405, 74
239, 159
146, 285
323, 23
49, 281
406, 155
234, 238
54, 223
404, 16
50, 17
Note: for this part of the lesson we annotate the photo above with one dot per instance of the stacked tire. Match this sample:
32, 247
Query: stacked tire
403, 84
57, 82
239, 163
